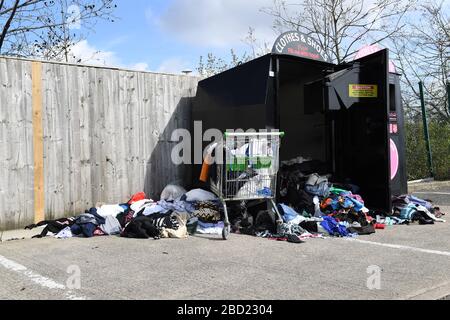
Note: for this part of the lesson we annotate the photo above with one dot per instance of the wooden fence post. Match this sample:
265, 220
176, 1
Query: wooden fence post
38, 142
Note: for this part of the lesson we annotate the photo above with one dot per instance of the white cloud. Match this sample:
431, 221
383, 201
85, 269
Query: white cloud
141, 66
217, 23
89, 54
225, 23
174, 65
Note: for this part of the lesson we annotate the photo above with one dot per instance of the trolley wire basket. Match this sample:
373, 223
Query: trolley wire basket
247, 170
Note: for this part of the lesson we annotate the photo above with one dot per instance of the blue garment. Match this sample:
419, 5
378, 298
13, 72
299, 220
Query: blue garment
317, 186
401, 202
154, 209
87, 223
347, 204
266, 192
335, 204
178, 206
421, 202
358, 206
408, 212
288, 213
321, 190
333, 227
86, 229
390, 221
99, 218
125, 207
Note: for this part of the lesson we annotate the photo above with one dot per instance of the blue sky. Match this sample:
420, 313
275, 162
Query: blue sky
170, 35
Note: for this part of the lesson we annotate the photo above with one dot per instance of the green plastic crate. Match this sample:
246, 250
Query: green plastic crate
242, 163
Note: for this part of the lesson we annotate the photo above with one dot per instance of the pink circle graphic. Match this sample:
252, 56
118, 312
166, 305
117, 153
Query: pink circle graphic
394, 160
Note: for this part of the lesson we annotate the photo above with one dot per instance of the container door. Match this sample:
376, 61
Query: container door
357, 101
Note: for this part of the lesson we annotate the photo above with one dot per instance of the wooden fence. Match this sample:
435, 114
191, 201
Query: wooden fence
73, 136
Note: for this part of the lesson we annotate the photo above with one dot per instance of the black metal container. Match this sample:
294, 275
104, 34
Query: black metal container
343, 115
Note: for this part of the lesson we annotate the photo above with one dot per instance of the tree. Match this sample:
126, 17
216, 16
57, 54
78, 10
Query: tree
48, 28
215, 64
340, 26
422, 53
258, 48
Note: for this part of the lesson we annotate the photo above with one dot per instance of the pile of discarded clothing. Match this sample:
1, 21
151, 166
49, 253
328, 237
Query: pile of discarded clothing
316, 209
408, 209
313, 207
178, 214
310, 205
320, 207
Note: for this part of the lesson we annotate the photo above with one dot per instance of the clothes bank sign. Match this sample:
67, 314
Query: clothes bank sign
295, 43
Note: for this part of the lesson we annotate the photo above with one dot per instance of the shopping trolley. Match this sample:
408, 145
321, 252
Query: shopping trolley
248, 170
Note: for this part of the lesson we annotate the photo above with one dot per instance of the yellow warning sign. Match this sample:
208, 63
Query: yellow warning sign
363, 91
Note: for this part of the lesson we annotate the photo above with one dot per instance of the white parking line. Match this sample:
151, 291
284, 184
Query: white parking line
400, 247
38, 279
437, 193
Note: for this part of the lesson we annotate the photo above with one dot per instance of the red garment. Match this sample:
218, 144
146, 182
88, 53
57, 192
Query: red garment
380, 226
326, 203
278, 239
98, 232
137, 197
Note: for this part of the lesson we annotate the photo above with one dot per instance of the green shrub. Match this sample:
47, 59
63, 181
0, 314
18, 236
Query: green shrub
416, 154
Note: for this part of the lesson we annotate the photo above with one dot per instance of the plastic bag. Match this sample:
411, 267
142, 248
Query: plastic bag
172, 192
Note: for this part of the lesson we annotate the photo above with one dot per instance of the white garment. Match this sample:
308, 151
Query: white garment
240, 152
139, 205
200, 195
110, 210
317, 212
255, 184
111, 226
181, 232
210, 228
298, 219
308, 235
429, 214
64, 234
